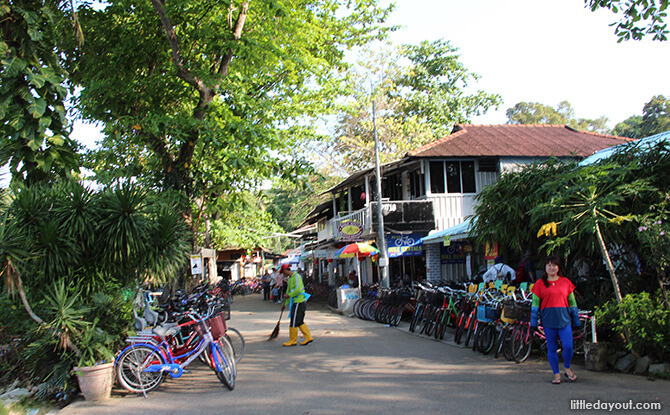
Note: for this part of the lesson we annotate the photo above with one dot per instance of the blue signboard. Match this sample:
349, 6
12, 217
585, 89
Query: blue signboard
404, 245
453, 254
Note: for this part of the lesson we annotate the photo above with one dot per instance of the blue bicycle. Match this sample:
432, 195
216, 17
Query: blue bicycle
143, 365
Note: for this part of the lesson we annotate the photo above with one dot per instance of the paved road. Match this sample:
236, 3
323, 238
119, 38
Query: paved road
362, 367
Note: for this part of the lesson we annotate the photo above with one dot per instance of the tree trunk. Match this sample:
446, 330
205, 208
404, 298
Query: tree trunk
608, 263
615, 280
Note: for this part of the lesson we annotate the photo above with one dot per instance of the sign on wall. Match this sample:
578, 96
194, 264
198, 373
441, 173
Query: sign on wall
455, 253
350, 230
196, 264
404, 245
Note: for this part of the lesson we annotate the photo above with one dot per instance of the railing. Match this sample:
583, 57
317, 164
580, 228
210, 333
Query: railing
362, 217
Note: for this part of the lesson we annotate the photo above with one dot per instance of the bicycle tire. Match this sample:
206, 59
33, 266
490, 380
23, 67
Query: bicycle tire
428, 321
486, 339
129, 368
237, 342
460, 328
439, 325
223, 362
357, 307
500, 341
522, 343
475, 336
397, 315
583, 335
471, 328
507, 346
416, 317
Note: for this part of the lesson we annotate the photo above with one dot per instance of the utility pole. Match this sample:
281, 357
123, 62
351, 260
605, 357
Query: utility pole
381, 237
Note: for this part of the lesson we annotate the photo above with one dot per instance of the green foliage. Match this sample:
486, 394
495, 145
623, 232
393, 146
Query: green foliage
33, 126
646, 319
534, 113
510, 222
419, 92
638, 17
205, 97
655, 119
616, 197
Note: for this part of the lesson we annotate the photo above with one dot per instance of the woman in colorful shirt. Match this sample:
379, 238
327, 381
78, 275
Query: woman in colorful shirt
554, 303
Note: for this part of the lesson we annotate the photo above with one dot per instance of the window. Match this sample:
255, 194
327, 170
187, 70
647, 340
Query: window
392, 187
416, 184
452, 177
437, 177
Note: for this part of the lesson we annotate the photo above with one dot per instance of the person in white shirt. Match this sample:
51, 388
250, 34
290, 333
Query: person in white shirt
499, 271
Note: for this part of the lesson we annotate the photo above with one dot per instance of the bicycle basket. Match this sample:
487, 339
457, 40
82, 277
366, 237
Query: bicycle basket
217, 325
523, 312
485, 315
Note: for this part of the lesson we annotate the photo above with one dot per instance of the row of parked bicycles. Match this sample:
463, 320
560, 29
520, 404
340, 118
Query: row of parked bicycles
491, 318
175, 330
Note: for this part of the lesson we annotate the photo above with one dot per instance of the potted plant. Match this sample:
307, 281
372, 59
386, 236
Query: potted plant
95, 368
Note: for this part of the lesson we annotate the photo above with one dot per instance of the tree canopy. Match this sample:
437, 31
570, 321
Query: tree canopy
655, 119
420, 92
535, 113
638, 17
33, 125
203, 96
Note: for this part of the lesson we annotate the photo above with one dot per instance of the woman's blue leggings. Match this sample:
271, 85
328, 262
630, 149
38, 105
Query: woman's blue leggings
552, 346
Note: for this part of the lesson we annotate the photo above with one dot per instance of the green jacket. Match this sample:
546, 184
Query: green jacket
295, 289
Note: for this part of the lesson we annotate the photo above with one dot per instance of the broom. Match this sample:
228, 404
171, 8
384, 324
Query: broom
275, 332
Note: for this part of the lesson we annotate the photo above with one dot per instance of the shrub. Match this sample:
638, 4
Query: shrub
647, 320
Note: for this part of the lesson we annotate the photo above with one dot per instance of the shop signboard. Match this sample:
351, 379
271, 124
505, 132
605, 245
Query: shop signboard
404, 245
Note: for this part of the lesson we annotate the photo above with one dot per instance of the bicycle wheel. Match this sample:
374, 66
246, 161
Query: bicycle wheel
486, 339
460, 328
416, 317
522, 343
471, 329
237, 342
507, 344
397, 315
582, 335
439, 324
130, 366
223, 362
500, 334
428, 321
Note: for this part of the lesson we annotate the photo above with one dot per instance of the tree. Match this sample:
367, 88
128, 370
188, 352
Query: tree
202, 96
638, 17
535, 113
419, 94
655, 119
33, 126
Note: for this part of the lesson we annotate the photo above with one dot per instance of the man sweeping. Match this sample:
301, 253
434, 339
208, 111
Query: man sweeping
296, 299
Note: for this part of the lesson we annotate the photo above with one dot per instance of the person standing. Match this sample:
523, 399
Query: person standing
297, 301
499, 271
278, 290
266, 279
554, 304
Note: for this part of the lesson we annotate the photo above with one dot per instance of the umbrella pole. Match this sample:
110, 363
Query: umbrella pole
358, 272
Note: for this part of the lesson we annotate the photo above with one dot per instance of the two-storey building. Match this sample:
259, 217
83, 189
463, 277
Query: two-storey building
432, 189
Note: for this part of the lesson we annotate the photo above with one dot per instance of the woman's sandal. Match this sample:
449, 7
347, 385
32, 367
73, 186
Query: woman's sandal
572, 378
556, 381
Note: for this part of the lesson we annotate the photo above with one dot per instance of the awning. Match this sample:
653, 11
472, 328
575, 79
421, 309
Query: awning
454, 233
642, 144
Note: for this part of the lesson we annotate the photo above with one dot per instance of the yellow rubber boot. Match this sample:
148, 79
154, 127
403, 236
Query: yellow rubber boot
293, 337
306, 333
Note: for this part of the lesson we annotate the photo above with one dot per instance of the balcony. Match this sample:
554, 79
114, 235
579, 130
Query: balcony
399, 216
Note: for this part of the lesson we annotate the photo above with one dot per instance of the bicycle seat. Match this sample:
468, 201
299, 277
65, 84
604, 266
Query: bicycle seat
166, 329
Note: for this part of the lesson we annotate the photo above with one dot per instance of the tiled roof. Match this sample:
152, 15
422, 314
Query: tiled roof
517, 141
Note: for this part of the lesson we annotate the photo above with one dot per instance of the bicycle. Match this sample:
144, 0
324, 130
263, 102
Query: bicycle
142, 366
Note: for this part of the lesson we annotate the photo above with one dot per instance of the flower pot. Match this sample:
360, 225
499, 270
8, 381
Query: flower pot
95, 382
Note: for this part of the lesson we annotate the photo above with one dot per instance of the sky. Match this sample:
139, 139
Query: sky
544, 51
